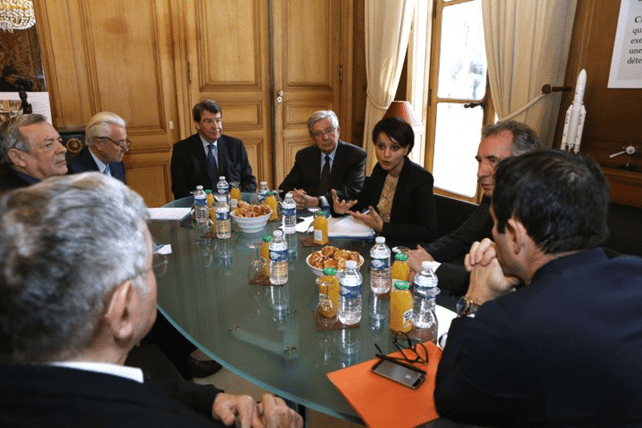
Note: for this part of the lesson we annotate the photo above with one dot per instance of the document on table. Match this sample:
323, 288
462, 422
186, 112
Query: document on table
168, 213
347, 227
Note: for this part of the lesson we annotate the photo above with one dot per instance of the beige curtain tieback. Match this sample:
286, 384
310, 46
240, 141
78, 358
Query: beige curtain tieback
530, 104
374, 103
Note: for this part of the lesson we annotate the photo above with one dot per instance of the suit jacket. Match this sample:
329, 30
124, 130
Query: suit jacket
451, 249
346, 177
413, 216
85, 162
9, 180
189, 165
564, 350
49, 396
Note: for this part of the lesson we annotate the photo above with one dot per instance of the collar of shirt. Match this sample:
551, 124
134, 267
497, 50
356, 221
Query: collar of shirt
29, 179
101, 165
332, 154
132, 373
207, 143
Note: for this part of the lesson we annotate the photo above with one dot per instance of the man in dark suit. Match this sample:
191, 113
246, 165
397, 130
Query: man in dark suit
499, 141
79, 292
105, 145
564, 349
30, 151
208, 154
329, 164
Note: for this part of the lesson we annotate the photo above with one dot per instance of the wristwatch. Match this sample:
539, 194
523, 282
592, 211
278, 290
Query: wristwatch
466, 307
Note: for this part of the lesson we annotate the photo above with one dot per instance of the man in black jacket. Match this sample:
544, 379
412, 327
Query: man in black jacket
499, 141
208, 154
79, 292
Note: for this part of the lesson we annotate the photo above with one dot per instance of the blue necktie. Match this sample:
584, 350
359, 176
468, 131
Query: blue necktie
107, 170
212, 168
325, 177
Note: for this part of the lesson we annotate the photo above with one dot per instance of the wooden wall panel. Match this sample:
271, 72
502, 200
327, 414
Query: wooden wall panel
613, 116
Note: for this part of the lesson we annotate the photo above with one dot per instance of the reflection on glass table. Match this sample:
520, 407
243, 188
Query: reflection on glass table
266, 334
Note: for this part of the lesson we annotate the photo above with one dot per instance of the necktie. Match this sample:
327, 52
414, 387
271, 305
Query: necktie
212, 168
325, 177
107, 170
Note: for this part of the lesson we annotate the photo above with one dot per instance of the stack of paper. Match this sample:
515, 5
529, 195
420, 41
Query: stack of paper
168, 213
347, 227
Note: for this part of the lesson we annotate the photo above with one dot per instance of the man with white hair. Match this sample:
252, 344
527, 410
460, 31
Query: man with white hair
30, 151
78, 293
105, 145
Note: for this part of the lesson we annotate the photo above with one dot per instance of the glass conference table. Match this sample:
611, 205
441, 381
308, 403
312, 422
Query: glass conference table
267, 334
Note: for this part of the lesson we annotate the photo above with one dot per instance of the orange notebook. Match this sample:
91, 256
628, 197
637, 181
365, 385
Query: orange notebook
382, 403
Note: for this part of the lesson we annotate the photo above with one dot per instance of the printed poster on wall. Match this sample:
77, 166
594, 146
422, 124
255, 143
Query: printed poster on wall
626, 63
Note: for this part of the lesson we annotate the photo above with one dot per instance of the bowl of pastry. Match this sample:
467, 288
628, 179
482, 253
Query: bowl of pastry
251, 218
334, 257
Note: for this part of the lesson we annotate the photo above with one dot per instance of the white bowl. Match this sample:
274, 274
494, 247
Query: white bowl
251, 224
319, 272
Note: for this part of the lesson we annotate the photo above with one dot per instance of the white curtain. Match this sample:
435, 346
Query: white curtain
527, 45
387, 30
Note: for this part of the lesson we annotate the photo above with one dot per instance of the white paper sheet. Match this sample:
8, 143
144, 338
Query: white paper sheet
347, 227
168, 213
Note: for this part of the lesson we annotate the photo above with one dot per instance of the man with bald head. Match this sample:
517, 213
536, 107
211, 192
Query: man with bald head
31, 150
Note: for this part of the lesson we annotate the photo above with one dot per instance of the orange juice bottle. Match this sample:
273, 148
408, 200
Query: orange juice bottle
265, 253
210, 198
235, 196
320, 228
329, 286
400, 307
270, 200
399, 269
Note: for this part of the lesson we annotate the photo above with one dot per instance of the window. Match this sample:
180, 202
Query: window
458, 87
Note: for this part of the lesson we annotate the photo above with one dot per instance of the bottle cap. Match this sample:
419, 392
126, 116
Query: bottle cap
401, 285
222, 177
427, 265
319, 213
380, 239
208, 191
330, 271
288, 195
267, 238
351, 264
199, 187
401, 257
264, 182
278, 233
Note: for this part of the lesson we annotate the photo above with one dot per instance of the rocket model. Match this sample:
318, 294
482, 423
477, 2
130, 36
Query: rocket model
574, 121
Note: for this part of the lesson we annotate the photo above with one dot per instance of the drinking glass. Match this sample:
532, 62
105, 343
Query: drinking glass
256, 271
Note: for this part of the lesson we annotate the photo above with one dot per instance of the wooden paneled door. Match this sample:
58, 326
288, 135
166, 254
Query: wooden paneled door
269, 64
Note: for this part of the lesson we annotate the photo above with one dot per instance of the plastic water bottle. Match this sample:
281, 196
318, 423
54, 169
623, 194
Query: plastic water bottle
380, 266
350, 294
201, 213
262, 192
223, 221
223, 188
278, 259
423, 314
289, 214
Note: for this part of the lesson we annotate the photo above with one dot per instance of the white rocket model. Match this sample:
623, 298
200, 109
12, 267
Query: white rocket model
575, 115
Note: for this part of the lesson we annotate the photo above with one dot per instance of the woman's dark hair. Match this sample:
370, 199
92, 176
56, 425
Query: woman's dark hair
396, 129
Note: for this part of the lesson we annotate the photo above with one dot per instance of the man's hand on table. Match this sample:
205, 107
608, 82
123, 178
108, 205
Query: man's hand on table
271, 412
303, 200
487, 279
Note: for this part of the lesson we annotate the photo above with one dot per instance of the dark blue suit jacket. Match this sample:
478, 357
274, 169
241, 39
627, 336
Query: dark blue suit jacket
85, 162
189, 165
562, 351
49, 396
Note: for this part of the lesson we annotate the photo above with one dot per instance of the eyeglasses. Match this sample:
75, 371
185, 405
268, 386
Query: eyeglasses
124, 145
159, 264
327, 131
411, 352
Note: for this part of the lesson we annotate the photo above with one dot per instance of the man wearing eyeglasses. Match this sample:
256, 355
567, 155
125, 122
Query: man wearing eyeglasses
105, 145
30, 151
329, 164
78, 293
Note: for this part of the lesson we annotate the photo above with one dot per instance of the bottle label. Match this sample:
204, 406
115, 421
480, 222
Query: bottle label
222, 216
234, 203
318, 235
262, 197
200, 201
223, 190
426, 292
351, 291
407, 316
289, 211
278, 255
379, 264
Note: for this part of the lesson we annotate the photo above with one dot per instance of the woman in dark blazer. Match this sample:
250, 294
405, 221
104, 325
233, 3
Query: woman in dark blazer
399, 193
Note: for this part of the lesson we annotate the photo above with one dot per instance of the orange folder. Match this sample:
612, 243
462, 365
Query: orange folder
382, 403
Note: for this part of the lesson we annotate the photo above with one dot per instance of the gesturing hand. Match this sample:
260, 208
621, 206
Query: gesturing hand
341, 207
